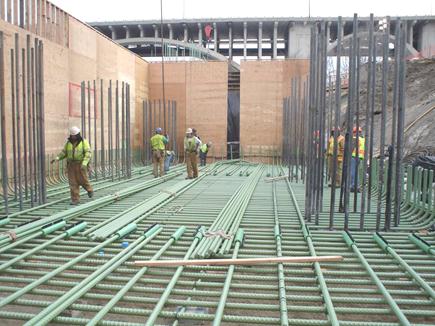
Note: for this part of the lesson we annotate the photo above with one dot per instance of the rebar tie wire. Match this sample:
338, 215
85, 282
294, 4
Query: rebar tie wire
219, 233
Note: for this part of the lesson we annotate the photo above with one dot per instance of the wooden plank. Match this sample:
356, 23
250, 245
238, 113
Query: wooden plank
244, 261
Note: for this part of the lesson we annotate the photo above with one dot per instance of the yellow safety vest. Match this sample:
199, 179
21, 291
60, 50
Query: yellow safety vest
361, 147
80, 153
204, 148
158, 142
330, 150
190, 144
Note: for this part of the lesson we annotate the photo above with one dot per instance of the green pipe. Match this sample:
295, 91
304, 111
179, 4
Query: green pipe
164, 297
55, 308
54, 272
71, 231
226, 288
387, 248
393, 305
174, 238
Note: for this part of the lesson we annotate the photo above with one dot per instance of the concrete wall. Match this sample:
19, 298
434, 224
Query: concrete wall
90, 56
299, 43
263, 85
201, 91
426, 41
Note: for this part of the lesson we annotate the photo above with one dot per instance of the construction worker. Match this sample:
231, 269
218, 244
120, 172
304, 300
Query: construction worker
158, 142
190, 153
169, 159
330, 156
357, 155
77, 152
197, 138
203, 150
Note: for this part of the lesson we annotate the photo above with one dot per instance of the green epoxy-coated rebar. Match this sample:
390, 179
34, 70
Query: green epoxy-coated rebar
76, 292
281, 281
351, 243
255, 296
60, 269
70, 232
161, 302
174, 238
386, 247
226, 288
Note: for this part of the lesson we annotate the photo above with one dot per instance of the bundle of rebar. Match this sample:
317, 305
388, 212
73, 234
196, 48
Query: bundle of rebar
219, 237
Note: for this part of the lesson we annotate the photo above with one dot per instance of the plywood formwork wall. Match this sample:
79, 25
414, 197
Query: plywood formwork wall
201, 92
89, 56
263, 85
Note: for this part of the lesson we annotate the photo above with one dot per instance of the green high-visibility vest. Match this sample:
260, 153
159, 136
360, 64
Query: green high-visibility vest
80, 153
204, 148
190, 144
158, 142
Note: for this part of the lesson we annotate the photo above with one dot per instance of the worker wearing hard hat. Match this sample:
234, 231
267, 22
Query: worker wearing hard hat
203, 150
190, 153
330, 156
158, 143
357, 156
77, 152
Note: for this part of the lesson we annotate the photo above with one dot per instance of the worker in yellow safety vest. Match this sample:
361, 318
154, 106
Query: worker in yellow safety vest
158, 143
190, 154
203, 150
77, 152
357, 155
330, 156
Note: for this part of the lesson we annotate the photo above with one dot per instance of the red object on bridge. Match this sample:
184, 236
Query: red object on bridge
207, 31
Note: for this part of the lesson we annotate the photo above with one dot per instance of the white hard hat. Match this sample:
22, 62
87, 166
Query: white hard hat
189, 131
73, 131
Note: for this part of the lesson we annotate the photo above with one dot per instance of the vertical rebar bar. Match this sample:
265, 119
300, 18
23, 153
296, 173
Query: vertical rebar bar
18, 120
95, 146
42, 121
368, 117
34, 123
117, 144
103, 145
110, 128
336, 122
3, 127
82, 109
89, 135
400, 124
357, 124
385, 45
24, 106
123, 138
30, 117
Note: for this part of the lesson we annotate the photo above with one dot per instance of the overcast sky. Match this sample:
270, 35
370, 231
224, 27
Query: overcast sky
115, 10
